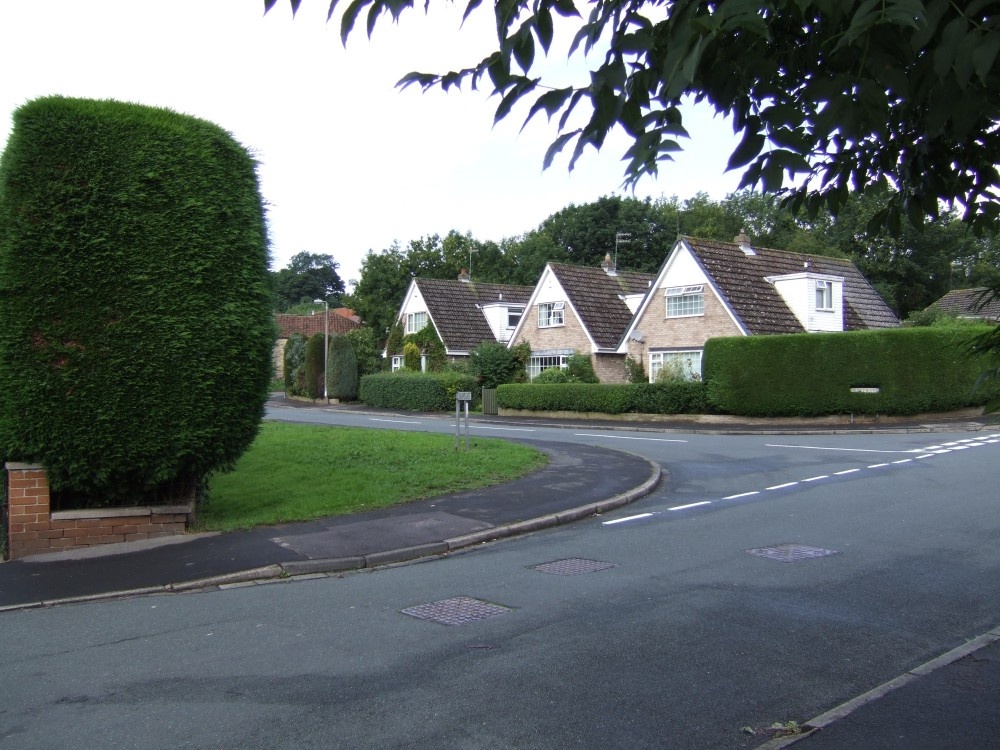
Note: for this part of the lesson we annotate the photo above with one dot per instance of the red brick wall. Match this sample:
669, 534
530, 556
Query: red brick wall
33, 528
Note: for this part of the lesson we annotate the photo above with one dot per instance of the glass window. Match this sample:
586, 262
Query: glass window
514, 316
683, 301
544, 362
682, 365
397, 362
550, 314
416, 322
824, 295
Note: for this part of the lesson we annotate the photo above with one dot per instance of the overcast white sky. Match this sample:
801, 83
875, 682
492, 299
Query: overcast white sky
348, 163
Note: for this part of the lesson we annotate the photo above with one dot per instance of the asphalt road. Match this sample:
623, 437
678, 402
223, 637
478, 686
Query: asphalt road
692, 632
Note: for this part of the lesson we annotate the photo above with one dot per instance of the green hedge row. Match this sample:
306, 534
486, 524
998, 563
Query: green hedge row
683, 397
415, 391
915, 369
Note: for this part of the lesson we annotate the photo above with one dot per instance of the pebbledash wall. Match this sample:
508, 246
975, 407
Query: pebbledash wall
32, 527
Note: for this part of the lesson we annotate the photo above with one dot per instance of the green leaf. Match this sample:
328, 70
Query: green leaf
524, 48
550, 102
747, 151
557, 147
522, 87
543, 28
985, 54
473, 4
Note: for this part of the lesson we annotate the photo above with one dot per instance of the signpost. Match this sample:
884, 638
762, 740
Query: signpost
462, 397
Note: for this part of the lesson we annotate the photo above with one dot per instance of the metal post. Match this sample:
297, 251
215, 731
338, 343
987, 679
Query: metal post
326, 345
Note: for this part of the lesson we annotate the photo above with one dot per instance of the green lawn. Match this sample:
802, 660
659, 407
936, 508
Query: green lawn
297, 472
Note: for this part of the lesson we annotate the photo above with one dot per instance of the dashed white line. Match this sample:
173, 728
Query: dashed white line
392, 421
877, 466
781, 486
690, 505
845, 471
508, 429
742, 494
844, 450
626, 437
926, 455
627, 518
904, 461
816, 479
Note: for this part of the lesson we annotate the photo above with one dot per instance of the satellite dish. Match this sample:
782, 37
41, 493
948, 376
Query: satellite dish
637, 336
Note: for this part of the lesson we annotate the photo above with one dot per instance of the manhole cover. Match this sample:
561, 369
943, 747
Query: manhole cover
458, 610
791, 552
573, 566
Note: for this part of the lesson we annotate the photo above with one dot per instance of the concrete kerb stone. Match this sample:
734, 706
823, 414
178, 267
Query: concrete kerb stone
325, 565
267, 571
405, 553
844, 709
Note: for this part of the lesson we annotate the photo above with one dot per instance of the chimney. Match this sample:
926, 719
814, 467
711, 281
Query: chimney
608, 265
463, 276
744, 242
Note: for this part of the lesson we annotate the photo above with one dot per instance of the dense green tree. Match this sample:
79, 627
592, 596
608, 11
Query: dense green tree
493, 364
366, 349
307, 277
314, 365
342, 369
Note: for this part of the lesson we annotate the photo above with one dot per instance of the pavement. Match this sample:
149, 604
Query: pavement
951, 702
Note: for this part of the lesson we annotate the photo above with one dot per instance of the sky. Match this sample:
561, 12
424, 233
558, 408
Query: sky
348, 162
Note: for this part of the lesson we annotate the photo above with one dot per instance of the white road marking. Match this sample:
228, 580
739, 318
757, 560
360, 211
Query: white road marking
627, 518
926, 455
781, 486
392, 421
690, 505
626, 437
845, 471
847, 450
877, 466
816, 479
742, 494
904, 461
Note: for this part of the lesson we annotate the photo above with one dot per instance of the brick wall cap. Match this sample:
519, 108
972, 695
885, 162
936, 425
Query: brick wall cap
20, 466
144, 510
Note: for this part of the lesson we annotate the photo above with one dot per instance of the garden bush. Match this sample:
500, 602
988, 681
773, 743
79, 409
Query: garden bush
294, 365
492, 363
343, 364
135, 350
415, 391
684, 397
314, 366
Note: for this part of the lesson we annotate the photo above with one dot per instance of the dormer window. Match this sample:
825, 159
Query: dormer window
685, 301
824, 296
514, 316
551, 314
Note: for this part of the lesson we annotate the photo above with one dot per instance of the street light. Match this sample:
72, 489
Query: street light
326, 342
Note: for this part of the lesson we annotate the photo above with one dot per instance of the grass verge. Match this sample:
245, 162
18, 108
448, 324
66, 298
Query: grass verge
296, 472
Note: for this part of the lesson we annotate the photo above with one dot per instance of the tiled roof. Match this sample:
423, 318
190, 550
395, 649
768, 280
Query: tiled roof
970, 303
597, 298
454, 308
741, 279
310, 324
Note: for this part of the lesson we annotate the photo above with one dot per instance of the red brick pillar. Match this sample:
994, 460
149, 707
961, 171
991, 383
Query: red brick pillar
28, 525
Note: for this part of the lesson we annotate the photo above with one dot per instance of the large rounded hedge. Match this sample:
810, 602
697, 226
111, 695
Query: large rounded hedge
135, 319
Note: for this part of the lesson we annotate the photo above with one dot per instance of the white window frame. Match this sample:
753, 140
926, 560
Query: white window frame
412, 318
690, 361
685, 301
824, 295
397, 362
514, 315
541, 362
551, 314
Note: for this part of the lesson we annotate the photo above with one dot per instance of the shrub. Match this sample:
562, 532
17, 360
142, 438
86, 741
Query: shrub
492, 363
634, 371
343, 366
414, 391
686, 397
428, 344
366, 350
550, 376
411, 356
294, 365
135, 350
314, 366
580, 369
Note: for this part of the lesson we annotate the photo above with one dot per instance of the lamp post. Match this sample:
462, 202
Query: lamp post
326, 343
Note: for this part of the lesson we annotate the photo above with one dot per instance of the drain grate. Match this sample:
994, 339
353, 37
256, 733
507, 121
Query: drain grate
573, 566
458, 610
791, 552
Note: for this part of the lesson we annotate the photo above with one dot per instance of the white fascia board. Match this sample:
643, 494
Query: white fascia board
653, 286
547, 271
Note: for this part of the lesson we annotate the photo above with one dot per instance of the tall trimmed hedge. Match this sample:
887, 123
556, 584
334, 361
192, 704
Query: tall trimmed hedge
343, 364
414, 391
915, 369
136, 336
314, 365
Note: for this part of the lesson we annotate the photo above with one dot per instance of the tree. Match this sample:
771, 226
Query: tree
835, 94
308, 276
135, 351
342, 365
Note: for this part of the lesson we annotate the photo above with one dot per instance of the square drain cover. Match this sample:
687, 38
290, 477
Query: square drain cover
791, 552
458, 610
573, 566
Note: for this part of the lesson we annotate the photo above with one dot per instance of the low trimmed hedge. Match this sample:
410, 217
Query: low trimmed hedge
915, 369
684, 397
415, 391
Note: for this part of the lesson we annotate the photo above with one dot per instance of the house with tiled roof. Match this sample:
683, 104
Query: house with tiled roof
585, 310
975, 303
307, 325
463, 312
706, 289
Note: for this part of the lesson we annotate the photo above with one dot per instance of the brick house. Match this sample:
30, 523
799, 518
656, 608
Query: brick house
706, 289
464, 313
583, 310
307, 325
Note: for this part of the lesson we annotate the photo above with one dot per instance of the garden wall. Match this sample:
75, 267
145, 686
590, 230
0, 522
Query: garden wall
33, 528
